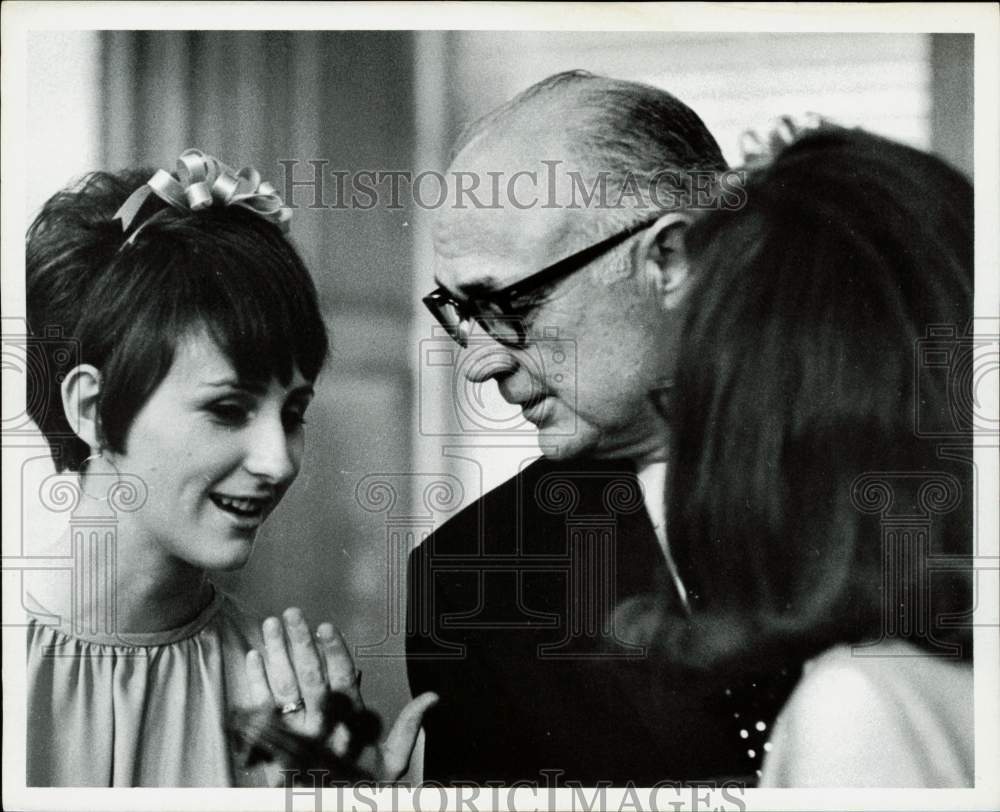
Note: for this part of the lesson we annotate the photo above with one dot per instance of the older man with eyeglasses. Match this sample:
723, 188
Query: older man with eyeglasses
512, 602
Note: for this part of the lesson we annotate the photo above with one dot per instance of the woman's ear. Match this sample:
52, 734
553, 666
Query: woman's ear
81, 389
664, 258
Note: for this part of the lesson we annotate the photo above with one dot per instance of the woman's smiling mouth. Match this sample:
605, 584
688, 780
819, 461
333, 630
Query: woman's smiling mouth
245, 507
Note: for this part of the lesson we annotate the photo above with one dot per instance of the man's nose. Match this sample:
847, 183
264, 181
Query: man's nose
271, 454
488, 359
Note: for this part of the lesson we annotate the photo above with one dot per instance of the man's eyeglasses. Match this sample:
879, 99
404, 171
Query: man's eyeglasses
496, 313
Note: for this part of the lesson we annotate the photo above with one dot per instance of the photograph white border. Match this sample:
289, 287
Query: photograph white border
983, 20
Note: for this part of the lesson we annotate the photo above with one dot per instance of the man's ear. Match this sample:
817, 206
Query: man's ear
664, 259
81, 389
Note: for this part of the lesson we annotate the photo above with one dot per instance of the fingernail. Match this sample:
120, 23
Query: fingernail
293, 615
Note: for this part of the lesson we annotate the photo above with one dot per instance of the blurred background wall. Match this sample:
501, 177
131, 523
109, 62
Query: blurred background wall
396, 440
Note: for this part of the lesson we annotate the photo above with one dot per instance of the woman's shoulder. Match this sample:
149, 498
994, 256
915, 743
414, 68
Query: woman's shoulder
889, 714
895, 671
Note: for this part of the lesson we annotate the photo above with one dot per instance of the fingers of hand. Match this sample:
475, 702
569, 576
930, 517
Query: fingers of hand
260, 691
340, 741
280, 674
305, 659
398, 746
340, 670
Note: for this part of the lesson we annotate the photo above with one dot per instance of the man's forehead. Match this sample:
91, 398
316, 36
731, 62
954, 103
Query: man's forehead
497, 231
478, 248
515, 221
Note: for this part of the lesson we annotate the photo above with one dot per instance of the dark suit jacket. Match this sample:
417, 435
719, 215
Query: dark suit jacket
510, 622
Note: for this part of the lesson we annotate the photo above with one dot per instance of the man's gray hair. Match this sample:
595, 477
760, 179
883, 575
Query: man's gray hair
628, 130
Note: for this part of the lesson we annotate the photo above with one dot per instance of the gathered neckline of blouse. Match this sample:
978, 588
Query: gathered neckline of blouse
62, 627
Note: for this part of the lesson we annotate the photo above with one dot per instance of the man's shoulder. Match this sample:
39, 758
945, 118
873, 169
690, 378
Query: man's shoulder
459, 533
524, 498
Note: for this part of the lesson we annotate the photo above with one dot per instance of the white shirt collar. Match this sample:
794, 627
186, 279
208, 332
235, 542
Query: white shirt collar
653, 478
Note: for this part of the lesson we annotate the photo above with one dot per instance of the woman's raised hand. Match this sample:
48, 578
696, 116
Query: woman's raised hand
297, 675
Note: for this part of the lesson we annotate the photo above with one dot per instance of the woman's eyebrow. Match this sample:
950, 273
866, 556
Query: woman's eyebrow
254, 388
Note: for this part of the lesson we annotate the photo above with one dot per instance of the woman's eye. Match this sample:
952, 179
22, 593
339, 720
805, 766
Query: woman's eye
293, 420
230, 414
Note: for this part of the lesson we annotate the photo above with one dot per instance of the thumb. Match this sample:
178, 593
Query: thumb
398, 745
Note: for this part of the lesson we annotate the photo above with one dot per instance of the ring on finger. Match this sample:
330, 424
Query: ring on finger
292, 707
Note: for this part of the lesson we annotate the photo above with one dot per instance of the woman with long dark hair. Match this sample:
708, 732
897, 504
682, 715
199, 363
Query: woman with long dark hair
819, 499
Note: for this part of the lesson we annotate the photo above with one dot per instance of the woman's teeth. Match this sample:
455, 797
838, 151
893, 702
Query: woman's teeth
241, 507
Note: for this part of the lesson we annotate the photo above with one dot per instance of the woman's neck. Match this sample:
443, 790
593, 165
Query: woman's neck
153, 601
122, 583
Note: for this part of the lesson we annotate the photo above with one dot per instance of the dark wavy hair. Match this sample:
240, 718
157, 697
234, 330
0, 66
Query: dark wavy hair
799, 375
123, 308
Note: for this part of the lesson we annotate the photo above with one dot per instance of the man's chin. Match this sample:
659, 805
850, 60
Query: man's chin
561, 445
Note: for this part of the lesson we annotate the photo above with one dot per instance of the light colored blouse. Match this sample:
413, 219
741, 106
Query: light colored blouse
139, 710
890, 715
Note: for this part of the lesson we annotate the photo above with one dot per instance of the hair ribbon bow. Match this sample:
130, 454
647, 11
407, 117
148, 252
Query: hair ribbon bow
758, 147
204, 181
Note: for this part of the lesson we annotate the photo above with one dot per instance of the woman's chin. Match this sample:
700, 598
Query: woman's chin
232, 566
233, 556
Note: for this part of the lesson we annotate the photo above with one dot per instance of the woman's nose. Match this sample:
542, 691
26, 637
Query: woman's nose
273, 454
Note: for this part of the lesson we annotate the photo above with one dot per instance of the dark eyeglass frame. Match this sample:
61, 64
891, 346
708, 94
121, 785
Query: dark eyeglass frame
472, 309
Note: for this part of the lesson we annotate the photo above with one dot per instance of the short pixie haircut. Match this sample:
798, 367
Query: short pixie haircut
798, 375
124, 307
